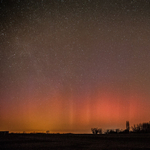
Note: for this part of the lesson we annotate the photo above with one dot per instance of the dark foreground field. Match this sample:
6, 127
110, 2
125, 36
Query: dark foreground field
74, 141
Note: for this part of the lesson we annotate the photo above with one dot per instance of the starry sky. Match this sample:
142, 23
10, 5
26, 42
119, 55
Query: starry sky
70, 65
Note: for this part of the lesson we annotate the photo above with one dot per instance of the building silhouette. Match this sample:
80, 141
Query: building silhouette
127, 126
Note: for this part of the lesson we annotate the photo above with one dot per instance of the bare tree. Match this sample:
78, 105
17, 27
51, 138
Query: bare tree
100, 131
96, 131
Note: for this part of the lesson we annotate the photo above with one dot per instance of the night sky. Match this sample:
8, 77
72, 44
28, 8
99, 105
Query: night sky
70, 65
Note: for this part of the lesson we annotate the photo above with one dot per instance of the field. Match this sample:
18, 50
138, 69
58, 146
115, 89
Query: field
74, 142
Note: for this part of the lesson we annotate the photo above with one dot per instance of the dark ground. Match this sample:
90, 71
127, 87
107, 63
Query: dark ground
74, 141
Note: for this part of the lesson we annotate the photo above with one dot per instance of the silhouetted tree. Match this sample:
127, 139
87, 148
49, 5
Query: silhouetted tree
47, 132
133, 128
144, 127
100, 131
96, 131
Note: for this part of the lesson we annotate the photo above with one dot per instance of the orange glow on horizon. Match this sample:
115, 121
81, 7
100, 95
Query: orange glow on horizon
56, 114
